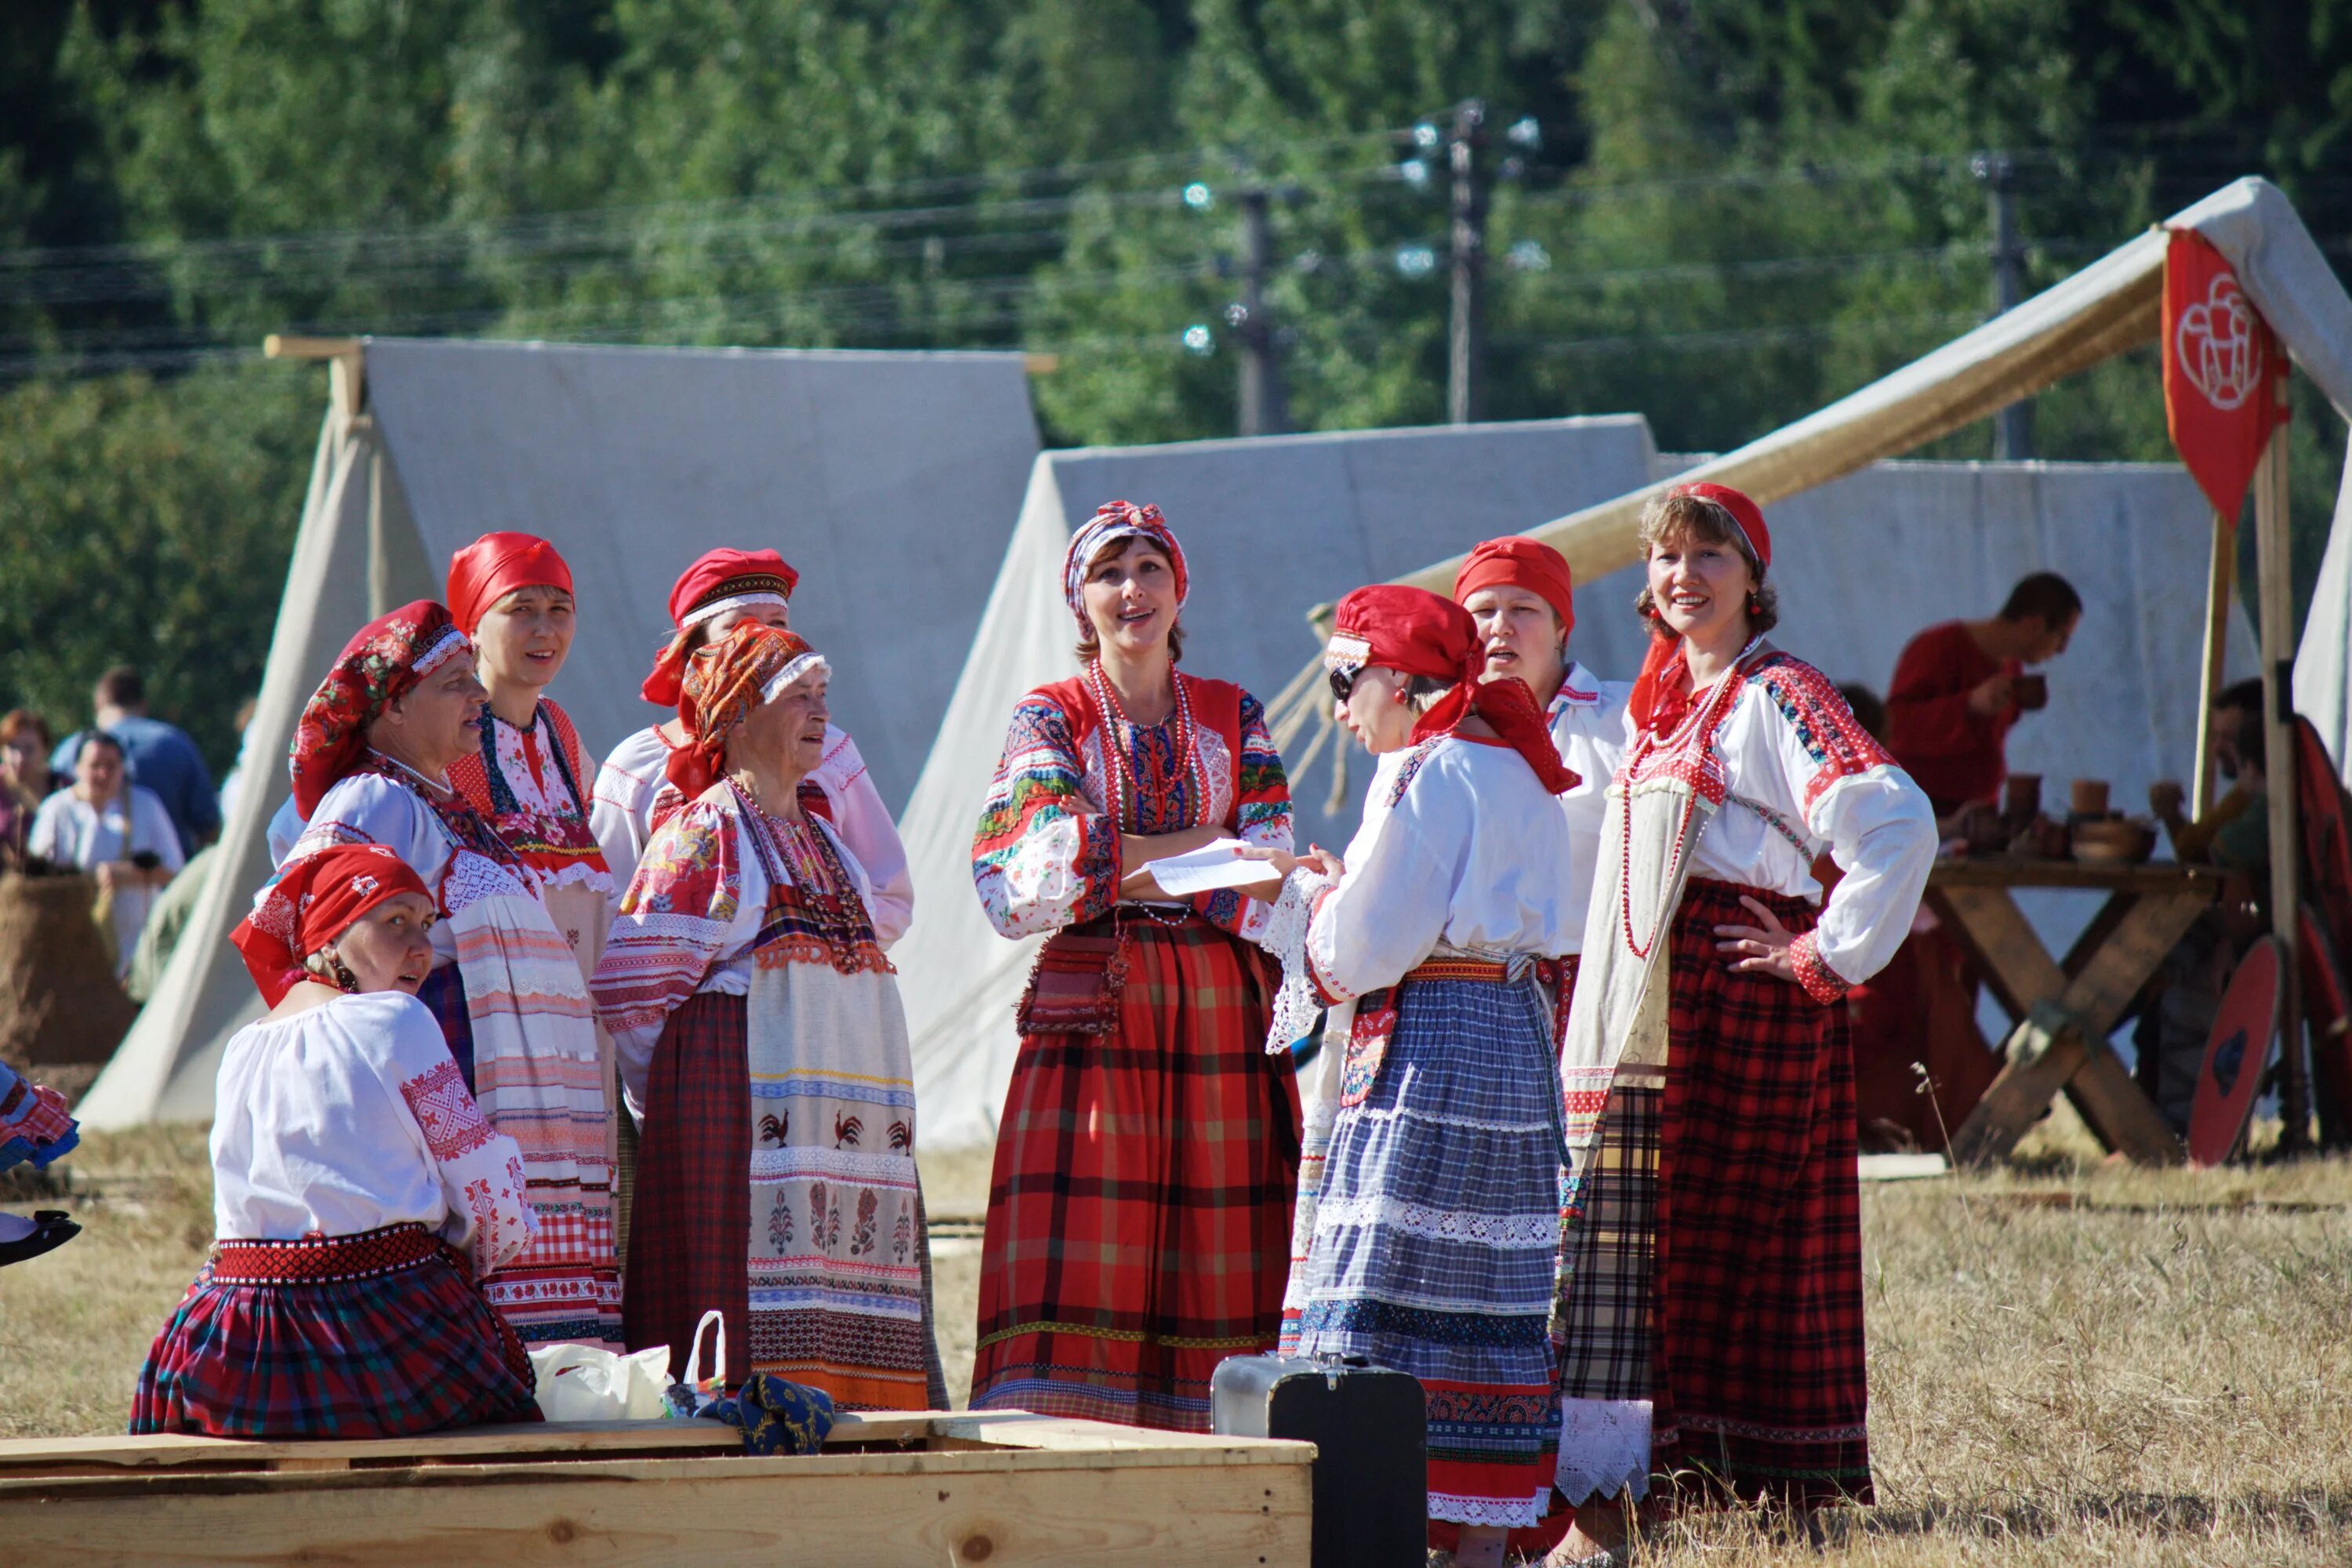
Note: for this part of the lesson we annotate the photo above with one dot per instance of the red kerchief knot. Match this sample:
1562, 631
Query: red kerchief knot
383, 660
496, 565
1112, 521
724, 681
1520, 563
1745, 513
717, 581
313, 901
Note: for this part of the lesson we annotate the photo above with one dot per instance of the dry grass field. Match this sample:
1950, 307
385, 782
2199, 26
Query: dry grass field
2070, 1362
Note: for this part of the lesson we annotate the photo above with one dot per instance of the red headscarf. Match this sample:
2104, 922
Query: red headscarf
383, 660
1520, 563
1657, 702
1415, 632
313, 901
719, 580
724, 681
493, 566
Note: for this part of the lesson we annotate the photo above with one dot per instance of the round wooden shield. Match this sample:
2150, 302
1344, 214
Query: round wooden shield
2235, 1056
2329, 1011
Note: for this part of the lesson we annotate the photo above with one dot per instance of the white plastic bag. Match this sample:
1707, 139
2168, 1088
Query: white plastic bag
696, 1392
582, 1382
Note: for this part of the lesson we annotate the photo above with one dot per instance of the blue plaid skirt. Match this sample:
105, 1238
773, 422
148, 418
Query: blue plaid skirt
1436, 1235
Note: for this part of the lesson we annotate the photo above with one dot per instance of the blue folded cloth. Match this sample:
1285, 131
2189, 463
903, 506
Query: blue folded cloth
775, 1416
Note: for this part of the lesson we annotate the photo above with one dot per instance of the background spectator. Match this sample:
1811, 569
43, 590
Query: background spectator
115, 830
23, 778
163, 760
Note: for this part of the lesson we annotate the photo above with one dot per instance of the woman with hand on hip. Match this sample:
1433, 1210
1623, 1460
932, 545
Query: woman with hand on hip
1138, 1217
358, 1194
1711, 1316
371, 759
1437, 1222
760, 1028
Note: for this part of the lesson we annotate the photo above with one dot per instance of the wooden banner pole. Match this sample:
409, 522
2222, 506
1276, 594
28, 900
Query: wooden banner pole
2221, 579
2276, 597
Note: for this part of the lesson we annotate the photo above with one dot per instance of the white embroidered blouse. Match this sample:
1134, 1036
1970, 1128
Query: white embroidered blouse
1462, 847
351, 1116
1587, 722
633, 779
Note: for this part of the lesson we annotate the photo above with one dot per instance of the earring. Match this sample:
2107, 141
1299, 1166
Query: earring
1755, 606
344, 979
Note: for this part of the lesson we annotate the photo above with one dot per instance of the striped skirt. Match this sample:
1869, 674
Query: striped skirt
1714, 1304
1138, 1217
1435, 1236
382, 1334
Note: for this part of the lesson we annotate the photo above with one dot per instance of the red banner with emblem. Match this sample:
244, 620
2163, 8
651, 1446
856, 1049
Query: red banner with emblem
2225, 372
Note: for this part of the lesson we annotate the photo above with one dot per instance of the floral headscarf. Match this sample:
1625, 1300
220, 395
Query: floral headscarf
383, 661
1115, 521
724, 681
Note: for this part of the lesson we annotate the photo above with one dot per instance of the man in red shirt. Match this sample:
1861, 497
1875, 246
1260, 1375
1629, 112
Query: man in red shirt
1956, 690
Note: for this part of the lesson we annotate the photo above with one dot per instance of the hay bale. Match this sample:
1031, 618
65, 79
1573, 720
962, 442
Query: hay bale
60, 1003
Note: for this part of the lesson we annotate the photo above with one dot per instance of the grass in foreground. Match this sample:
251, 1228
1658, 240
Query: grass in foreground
2070, 1363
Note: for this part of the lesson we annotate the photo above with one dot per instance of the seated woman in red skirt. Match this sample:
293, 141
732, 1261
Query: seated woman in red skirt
357, 1191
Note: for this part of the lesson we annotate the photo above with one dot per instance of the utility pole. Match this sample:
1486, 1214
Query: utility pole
2012, 427
1264, 411
1466, 345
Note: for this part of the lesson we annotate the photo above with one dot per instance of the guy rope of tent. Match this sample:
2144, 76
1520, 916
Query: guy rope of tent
2112, 305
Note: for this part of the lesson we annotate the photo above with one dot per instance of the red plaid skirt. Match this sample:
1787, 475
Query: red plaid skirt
690, 1227
1760, 1386
1138, 1218
382, 1334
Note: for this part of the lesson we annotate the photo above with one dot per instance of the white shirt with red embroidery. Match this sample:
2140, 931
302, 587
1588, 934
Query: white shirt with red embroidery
351, 1116
1462, 849
633, 790
1802, 779
1587, 725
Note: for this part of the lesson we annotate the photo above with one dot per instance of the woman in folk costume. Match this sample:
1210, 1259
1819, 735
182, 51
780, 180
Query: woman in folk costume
358, 1192
760, 1026
1522, 596
371, 759
1711, 1314
1438, 1221
1140, 1211
723, 589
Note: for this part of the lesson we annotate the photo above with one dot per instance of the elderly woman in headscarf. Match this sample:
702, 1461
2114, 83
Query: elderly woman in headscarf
1711, 1308
1437, 1221
371, 762
760, 1028
358, 1194
1138, 1219
720, 590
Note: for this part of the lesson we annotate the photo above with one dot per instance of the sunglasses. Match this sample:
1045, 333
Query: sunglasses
1343, 681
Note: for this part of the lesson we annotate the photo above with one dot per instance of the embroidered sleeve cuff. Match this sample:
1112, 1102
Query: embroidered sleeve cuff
1822, 982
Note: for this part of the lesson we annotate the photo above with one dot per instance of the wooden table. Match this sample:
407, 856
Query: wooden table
921, 1490
2063, 1009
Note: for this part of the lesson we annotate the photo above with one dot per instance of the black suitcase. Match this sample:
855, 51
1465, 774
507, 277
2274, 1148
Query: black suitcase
1370, 1429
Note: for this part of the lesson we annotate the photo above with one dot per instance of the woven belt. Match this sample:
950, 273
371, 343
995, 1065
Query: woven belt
323, 1259
1480, 969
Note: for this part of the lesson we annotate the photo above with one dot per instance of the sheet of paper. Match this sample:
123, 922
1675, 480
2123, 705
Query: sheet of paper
1205, 869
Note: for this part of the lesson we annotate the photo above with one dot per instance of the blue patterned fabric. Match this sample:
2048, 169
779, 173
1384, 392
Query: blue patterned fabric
1436, 1235
776, 1415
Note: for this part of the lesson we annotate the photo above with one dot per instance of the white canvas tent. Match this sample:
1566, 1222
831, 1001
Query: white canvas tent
1270, 526
631, 462
1869, 559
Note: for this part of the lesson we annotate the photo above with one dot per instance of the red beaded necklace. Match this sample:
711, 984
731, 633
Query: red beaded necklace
1124, 786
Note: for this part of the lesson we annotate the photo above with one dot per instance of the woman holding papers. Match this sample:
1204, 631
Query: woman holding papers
759, 1026
1139, 1214
1438, 1220
1711, 1308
